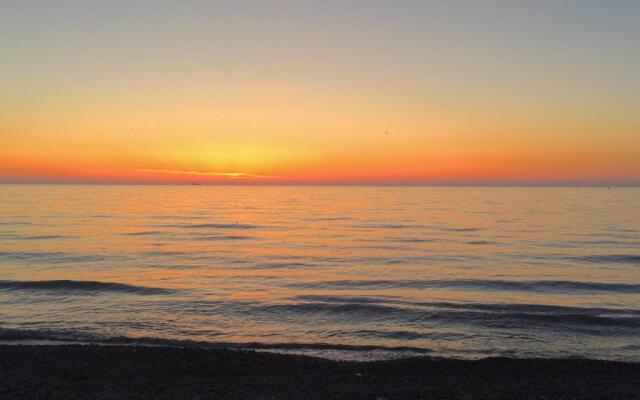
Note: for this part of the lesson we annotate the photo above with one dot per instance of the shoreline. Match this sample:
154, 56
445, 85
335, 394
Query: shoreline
157, 372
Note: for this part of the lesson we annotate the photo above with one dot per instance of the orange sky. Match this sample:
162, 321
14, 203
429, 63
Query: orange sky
345, 92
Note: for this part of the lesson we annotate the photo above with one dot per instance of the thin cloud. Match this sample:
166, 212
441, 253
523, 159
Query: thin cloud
230, 175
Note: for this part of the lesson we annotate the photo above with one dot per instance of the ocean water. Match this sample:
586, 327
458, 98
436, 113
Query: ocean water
342, 272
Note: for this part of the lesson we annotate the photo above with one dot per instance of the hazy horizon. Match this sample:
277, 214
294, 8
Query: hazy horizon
344, 184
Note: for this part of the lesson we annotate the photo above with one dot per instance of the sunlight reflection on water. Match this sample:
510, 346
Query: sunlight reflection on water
458, 271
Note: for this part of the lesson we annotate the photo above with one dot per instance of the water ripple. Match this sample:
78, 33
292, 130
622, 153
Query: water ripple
80, 287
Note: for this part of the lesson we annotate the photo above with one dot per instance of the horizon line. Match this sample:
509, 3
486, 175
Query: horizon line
631, 184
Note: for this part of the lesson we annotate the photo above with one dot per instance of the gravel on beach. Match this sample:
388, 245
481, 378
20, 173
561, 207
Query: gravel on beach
137, 372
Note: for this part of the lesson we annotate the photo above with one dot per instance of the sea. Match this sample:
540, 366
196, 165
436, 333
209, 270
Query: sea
341, 272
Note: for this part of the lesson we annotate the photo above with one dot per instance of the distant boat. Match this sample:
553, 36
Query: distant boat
195, 183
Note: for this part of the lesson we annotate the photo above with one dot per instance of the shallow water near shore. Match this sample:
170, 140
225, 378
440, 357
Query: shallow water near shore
345, 272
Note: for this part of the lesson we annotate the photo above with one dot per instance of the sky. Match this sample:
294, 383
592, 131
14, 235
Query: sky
363, 92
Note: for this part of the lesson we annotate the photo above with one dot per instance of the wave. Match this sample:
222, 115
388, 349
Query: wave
411, 240
142, 233
486, 307
328, 219
12, 334
493, 285
282, 265
49, 257
396, 259
392, 226
212, 226
209, 238
400, 335
412, 315
161, 253
538, 308
491, 307
8, 236
173, 217
610, 258
80, 287
421, 227
586, 243
221, 237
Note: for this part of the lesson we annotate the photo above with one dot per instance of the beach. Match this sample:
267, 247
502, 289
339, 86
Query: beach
145, 372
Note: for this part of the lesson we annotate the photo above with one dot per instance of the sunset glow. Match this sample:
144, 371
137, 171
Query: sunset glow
303, 92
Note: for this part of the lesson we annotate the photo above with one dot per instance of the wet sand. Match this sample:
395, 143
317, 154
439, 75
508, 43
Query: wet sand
131, 372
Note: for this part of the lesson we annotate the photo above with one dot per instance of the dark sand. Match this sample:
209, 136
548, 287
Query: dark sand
127, 372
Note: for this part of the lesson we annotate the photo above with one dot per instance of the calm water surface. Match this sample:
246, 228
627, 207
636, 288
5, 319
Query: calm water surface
346, 272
